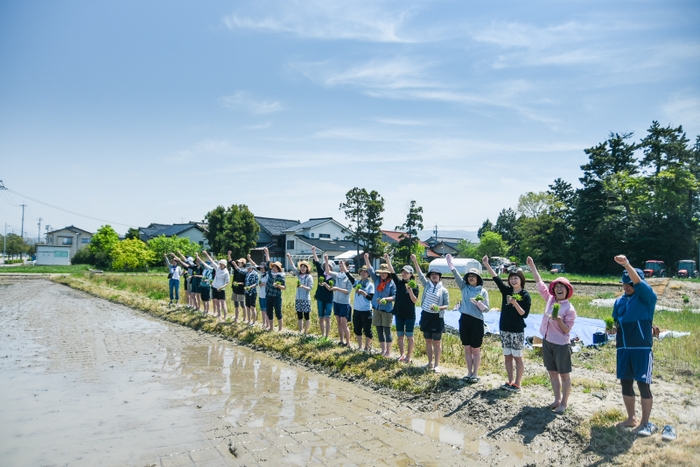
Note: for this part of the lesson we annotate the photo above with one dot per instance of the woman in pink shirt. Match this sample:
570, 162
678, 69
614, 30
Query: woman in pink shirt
558, 319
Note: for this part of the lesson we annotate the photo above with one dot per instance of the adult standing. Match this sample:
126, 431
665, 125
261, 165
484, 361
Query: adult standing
405, 308
205, 282
323, 296
362, 316
341, 286
515, 307
475, 301
634, 314
262, 288
558, 319
218, 289
238, 274
275, 285
436, 299
302, 300
251, 294
383, 304
173, 278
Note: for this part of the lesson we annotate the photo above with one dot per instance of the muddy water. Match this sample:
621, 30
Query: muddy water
87, 382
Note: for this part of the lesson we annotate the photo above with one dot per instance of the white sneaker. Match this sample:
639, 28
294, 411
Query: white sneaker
648, 430
668, 433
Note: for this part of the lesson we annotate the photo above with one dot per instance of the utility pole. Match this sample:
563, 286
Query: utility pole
4, 242
21, 234
435, 232
48, 229
38, 232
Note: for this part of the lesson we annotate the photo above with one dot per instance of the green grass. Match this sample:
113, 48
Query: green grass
77, 268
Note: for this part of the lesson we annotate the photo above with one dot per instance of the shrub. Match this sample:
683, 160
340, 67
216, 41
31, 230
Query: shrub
131, 255
83, 256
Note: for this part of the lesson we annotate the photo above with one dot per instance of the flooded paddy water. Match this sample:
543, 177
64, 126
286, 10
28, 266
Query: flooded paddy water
87, 382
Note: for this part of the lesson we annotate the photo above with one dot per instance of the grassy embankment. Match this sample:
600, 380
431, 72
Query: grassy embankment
675, 359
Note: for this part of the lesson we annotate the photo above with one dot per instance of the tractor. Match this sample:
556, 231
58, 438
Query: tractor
655, 268
687, 268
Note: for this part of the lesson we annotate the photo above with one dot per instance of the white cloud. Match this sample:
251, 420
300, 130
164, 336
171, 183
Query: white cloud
261, 126
327, 19
241, 100
204, 148
683, 109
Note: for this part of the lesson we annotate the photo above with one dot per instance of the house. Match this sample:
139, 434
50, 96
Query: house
443, 245
326, 234
71, 236
272, 235
195, 231
52, 255
393, 237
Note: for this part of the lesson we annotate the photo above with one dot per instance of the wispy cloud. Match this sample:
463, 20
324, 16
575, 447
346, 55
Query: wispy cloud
394, 73
241, 100
204, 148
683, 109
262, 126
367, 20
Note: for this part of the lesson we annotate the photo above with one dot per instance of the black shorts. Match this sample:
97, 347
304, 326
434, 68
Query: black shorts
274, 305
471, 331
250, 300
205, 290
218, 294
362, 323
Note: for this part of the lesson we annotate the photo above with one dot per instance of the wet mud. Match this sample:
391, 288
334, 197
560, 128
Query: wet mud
87, 382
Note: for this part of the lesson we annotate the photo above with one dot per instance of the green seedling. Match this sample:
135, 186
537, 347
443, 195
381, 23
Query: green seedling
434, 308
479, 298
555, 310
412, 284
383, 301
517, 297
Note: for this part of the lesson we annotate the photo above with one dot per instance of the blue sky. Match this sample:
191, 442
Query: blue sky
138, 112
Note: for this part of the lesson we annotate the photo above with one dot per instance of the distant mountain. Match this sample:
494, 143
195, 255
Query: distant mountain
465, 234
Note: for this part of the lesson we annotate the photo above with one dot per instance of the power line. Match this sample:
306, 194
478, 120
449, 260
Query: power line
2, 187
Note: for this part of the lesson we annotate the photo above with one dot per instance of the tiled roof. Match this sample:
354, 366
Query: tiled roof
72, 228
155, 230
310, 223
329, 245
275, 226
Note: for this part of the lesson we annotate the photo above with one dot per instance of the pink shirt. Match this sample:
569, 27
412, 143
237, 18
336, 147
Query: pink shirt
549, 328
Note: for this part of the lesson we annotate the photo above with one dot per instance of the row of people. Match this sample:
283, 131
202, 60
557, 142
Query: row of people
383, 297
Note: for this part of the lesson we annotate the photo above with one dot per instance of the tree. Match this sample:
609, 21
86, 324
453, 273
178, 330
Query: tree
409, 243
233, 228
491, 244
15, 245
487, 226
507, 227
363, 210
132, 233
162, 245
131, 255
101, 245
467, 249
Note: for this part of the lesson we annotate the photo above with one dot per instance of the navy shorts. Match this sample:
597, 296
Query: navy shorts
324, 309
342, 310
405, 326
635, 364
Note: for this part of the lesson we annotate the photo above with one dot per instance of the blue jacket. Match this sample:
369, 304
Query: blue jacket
634, 315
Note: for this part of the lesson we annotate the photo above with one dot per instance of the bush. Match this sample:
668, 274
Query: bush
83, 256
131, 255
162, 245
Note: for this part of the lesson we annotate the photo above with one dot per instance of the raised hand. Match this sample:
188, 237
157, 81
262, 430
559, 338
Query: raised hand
621, 260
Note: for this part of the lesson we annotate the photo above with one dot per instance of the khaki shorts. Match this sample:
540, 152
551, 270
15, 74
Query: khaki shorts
238, 297
382, 318
556, 357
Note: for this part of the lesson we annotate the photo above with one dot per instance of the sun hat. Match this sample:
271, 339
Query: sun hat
241, 260
278, 264
477, 273
304, 263
626, 279
331, 263
364, 269
434, 270
249, 265
189, 258
408, 269
383, 268
565, 282
222, 261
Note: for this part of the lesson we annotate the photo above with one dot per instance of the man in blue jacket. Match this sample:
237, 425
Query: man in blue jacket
634, 313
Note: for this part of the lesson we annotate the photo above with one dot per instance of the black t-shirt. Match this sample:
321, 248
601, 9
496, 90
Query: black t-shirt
404, 308
322, 293
237, 277
511, 321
